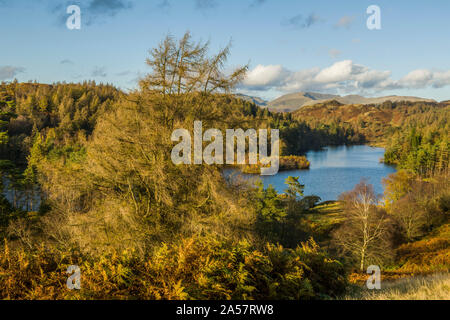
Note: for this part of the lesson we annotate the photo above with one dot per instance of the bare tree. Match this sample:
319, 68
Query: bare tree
410, 217
365, 234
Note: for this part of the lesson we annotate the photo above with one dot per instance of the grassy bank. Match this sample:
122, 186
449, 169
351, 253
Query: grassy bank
430, 287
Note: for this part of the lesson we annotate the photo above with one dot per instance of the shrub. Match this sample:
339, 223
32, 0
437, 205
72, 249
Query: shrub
195, 268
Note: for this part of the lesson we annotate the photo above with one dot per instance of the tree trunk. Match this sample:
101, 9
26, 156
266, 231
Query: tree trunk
363, 256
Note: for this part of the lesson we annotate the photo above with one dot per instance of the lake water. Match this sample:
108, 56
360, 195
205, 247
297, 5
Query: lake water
337, 169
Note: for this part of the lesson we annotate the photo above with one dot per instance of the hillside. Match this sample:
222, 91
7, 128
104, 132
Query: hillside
372, 120
295, 101
256, 100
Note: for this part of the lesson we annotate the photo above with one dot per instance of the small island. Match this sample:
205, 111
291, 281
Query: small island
286, 163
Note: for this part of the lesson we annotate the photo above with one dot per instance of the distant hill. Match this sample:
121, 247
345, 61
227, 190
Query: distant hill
295, 101
258, 101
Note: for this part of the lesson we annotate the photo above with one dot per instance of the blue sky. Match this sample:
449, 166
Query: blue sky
321, 45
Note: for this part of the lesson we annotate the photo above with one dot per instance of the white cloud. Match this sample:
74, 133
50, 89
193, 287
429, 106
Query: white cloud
441, 79
417, 78
9, 72
340, 71
262, 76
424, 78
342, 76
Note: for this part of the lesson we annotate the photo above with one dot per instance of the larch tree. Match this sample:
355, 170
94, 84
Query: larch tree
129, 193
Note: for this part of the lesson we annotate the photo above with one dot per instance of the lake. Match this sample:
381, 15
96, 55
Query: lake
337, 169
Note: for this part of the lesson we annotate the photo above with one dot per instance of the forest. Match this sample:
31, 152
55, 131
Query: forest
87, 180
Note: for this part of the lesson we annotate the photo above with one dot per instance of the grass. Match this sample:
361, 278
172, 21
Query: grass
322, 219
430, 287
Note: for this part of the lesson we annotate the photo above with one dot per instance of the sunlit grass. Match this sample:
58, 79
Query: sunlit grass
431, 287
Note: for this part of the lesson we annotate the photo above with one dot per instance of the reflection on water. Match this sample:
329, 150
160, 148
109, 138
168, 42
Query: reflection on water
337, 169
27, 200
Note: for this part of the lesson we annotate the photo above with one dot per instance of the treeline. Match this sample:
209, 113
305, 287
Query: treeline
422, 143
29, 108
45, 121
299, 136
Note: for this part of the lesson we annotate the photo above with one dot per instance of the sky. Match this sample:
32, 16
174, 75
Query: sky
290, 46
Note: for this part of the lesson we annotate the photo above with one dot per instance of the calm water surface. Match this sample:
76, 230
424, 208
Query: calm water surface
337, 169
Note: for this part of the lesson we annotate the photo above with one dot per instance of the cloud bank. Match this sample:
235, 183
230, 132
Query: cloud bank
342, 76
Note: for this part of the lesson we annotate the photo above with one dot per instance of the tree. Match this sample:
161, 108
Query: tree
397, 185
365, 233
410, 217
279, 215
127, 192
294, 206
270, 204
295, 188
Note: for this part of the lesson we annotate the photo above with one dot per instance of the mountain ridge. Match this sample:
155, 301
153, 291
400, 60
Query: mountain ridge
294, 101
